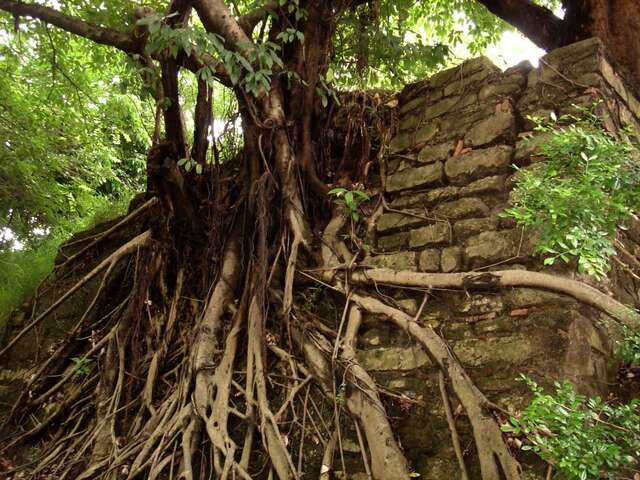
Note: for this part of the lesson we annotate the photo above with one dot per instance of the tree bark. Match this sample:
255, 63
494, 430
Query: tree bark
615, 22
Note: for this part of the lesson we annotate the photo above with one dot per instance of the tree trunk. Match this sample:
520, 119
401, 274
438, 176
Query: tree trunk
615, 22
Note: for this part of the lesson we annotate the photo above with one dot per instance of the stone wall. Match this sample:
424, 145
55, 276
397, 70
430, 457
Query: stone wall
449, 176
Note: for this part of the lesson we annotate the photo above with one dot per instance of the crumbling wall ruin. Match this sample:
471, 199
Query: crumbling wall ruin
450, 173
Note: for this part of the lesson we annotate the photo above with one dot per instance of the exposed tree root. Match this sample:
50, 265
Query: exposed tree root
199, 367
361, 397
455, 439
496, 461
138, 242
502, 279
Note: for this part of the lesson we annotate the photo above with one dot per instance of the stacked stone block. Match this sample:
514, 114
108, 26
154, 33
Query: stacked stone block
450, 172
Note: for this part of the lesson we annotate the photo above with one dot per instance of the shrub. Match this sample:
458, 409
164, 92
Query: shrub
579, 197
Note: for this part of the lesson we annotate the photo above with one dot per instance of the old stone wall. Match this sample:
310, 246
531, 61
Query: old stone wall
449, 177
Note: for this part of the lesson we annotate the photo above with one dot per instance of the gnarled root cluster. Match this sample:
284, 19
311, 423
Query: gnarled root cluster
232, 378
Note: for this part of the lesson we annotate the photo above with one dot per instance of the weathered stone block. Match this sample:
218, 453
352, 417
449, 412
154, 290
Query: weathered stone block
574, 53
415, 177
393, 242
442, 107
440, 194
529, 297
490, 247
478, 304
463, 84
408, 305
410, 122
455, 126
501, 89
401, 142
434, 153
431, 235
426, 133
396, 164
485, 185
479, 163
434, 195
592, 79
408, 199
395, 261
464, 229
495, 325
463, 208
512, 350
393, 358
413, 104
451, 259
464, 70
395, 221
500, 125
429, 260
372, 337
528, 149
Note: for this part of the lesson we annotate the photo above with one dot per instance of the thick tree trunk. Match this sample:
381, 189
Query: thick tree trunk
615, 22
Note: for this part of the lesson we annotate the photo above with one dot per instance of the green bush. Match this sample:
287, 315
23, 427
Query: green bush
628, 347
21, 271
583, 438
579, 196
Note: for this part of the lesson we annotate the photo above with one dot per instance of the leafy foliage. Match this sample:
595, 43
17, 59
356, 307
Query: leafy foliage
351, 199
583, 438
251, 68
73, 136
21, 271
390, 43
82, 365
628, 347
580, 195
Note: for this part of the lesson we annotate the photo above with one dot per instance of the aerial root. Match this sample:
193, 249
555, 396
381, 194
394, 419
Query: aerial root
495, 458
165, 341
361, 399
502, 279
140, 241
455, 439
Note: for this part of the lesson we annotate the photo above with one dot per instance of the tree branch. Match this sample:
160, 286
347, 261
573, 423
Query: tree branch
217, 18
537, 23
127, 43
249, 20
105, 36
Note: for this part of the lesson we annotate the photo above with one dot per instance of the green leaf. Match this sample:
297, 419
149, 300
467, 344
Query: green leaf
244, 63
